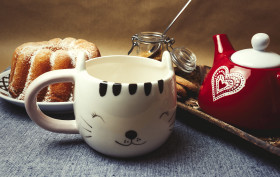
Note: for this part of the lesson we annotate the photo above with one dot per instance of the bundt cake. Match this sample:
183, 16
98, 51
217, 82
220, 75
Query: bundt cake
35, 58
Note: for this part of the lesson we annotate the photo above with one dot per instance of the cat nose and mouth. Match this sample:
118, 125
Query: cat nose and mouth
131, 139
131, 134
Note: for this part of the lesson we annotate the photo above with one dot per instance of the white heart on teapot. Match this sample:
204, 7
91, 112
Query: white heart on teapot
225, 83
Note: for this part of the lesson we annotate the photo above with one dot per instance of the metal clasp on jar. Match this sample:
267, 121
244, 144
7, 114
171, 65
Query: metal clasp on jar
134, 43
153, 44
150, 44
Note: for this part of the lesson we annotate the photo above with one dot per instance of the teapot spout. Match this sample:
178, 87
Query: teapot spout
223, 47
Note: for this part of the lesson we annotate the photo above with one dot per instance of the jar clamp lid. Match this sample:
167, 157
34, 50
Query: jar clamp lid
182, 57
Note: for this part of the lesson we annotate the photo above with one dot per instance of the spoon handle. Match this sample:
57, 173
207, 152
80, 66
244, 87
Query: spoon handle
176, 17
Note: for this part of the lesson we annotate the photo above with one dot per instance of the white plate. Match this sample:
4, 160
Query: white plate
51, 107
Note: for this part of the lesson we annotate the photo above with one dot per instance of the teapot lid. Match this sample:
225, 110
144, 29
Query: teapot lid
257, 57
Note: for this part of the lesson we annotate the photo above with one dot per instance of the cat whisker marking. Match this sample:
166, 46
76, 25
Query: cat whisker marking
172, 117
86, 129
86, 122
172, 123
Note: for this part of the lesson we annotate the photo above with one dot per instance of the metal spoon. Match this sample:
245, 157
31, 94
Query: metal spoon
165, 31
155, 50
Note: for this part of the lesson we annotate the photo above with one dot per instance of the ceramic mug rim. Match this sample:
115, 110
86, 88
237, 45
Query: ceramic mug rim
167, 75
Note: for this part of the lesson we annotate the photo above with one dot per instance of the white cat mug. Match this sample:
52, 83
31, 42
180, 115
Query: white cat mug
124, 106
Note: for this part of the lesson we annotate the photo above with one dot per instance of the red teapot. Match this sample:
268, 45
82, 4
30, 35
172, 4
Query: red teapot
243, 87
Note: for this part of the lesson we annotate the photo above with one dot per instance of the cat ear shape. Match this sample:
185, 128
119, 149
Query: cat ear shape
80, 62
166, 61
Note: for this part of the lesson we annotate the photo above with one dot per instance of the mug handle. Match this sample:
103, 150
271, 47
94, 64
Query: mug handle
33, 110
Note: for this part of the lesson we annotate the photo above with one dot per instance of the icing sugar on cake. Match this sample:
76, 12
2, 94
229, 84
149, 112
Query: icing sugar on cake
32, 59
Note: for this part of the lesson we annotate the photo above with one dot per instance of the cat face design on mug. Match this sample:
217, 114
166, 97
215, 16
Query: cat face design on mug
124, 106
97, 125
131, 135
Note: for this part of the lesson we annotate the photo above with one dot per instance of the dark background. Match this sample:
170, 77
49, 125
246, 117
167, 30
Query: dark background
110, 24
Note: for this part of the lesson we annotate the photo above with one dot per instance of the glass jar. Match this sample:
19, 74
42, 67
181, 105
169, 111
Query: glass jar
150, 44
153, 44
